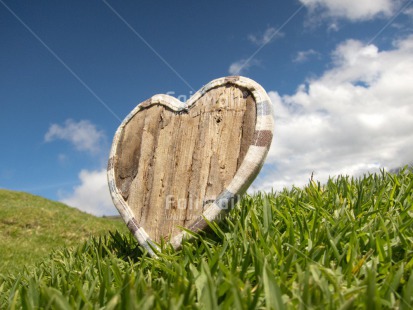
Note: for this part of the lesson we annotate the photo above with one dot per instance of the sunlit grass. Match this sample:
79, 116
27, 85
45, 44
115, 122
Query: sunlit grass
31, 226
347, 244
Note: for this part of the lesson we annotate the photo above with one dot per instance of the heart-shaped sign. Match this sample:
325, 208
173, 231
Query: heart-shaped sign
175, 164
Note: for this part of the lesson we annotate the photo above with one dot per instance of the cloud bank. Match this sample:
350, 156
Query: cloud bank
356, 117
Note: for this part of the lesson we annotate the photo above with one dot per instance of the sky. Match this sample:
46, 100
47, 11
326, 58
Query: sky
339, 74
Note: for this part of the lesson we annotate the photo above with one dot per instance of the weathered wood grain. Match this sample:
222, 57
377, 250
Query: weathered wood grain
170, 165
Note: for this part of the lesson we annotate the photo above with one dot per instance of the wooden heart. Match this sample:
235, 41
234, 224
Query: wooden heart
175, 164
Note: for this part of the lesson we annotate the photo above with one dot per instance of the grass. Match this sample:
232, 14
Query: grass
345, 245
31, 226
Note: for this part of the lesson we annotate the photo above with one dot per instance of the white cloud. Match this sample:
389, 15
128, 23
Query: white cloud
333, 27
303, 56
354, 10
92, 195
83, 135
62, 158
241, 66
270, 34
356, 117
409, 11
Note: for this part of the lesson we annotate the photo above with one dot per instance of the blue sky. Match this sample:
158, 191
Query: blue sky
339, 73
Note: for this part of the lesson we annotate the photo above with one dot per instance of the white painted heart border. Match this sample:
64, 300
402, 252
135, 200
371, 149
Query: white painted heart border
249, 169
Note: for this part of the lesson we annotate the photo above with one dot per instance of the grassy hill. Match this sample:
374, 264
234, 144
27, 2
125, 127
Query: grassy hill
31, 226
347, 244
